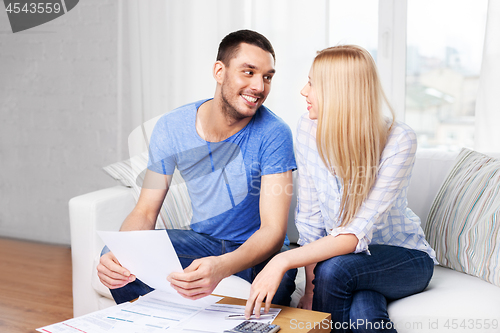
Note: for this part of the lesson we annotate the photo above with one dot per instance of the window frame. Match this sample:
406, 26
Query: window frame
391, 58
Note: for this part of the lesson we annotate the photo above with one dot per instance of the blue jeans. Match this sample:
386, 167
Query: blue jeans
191, 245
355, 288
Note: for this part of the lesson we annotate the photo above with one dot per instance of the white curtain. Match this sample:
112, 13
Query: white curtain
169, 48
487, 131
172, 47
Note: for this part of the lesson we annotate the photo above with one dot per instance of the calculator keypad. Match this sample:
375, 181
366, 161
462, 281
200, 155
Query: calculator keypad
249, 326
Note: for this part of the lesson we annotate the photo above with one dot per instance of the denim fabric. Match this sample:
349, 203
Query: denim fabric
355, 288
191, 245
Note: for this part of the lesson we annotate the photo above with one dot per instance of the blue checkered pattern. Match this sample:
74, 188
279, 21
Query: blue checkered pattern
383, 218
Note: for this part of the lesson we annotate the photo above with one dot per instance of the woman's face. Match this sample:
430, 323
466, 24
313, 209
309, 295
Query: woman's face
311, 99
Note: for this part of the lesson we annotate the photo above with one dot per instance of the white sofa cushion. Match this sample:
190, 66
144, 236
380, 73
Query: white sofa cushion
451, 297
430, 170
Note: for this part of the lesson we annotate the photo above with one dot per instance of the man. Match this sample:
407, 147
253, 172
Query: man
236, 157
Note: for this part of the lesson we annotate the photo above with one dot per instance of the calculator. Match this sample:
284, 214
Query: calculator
253, 327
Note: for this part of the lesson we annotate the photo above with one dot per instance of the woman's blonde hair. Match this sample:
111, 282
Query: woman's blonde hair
352, 131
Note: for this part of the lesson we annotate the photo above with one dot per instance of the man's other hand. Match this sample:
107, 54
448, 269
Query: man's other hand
198, 279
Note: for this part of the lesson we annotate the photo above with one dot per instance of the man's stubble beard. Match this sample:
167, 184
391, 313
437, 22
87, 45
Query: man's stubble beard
228, 110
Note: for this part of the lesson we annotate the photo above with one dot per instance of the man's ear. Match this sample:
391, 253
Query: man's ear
219, 69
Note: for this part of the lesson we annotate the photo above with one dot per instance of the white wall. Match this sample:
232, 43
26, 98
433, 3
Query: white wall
58, 117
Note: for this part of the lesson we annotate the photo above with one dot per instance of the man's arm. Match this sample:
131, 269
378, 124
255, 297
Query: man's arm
203, 275
142, 217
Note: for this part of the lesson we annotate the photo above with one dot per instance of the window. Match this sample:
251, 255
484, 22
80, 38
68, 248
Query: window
444, 53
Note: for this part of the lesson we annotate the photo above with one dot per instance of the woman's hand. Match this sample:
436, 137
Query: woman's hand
306, 301
264, 287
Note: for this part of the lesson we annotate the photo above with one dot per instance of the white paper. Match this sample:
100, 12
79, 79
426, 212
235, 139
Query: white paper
178, 299
95, 322
148, 254
157, 311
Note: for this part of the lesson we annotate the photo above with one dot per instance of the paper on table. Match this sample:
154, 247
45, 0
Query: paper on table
148, 254
155, 312
95, 322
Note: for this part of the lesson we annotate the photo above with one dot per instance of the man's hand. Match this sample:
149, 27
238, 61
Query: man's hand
111, 273
198, 279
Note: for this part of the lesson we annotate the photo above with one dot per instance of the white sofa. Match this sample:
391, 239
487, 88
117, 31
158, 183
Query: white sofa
453, 302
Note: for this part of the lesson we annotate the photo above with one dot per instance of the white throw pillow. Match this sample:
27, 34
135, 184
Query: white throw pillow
176, 211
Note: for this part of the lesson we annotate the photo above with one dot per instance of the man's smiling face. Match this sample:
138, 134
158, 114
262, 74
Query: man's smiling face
247, 81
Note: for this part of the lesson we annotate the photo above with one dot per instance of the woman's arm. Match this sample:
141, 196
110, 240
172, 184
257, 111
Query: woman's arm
267, 281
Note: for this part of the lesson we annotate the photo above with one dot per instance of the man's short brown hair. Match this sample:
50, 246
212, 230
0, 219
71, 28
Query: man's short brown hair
229, 46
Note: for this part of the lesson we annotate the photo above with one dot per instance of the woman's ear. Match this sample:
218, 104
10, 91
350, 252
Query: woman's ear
218, 73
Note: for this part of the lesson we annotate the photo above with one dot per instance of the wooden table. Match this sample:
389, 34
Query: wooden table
293, 320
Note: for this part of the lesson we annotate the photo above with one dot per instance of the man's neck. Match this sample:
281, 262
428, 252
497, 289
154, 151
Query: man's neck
214, 125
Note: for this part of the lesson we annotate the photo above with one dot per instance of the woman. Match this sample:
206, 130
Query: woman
360, 243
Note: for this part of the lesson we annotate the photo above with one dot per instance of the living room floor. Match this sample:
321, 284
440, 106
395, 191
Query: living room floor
35, 285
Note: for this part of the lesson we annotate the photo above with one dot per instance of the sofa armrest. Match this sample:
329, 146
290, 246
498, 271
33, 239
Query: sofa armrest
100, 210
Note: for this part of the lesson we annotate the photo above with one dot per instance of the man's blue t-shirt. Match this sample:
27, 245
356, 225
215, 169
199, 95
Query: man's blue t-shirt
223, 178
